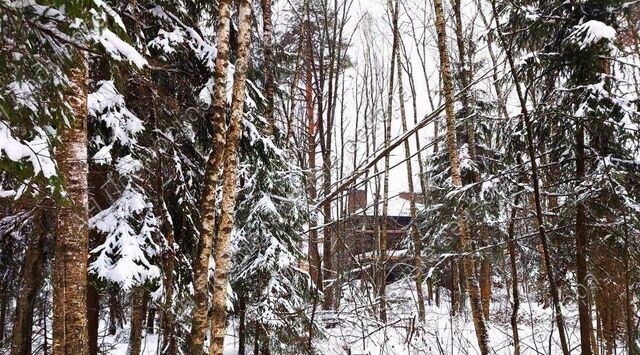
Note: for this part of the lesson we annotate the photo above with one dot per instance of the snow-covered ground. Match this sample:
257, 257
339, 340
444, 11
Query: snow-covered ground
353, 328
117, 345
440, 333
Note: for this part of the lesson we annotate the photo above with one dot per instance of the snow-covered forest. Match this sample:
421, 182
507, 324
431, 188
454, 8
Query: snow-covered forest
319, 177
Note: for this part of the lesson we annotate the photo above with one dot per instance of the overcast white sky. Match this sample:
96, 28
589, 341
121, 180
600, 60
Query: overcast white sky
369, 18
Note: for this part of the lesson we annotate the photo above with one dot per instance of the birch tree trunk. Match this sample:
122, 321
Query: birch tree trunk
415, 234
72, 238
214, 166
471, 283
222, 252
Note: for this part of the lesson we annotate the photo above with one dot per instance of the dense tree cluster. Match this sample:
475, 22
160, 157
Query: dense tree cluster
185, 172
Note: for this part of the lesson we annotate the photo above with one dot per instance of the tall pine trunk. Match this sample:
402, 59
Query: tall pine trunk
137, 318
242, 328
515, 295
31, 279
631, 332
456, 294
468, 262
199, 315
223, 252
93, 316
151, 319
72, 238
169, 325
581, 252
115, 310
4, 303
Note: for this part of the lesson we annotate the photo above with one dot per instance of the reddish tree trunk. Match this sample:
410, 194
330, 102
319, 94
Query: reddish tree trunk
137, 317
32, 277
93, 317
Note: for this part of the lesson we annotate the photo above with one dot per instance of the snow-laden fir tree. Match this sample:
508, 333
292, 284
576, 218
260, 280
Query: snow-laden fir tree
267, 278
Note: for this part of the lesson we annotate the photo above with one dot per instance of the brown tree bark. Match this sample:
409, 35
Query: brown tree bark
146, 297
451, 141
485, 279
242, 329
256, 339
592, 335
72, 241
4, 301
415, 233
137, 318
222, 252
115, 310
169, 343
581, 252
43, 322
99, 200
631, 332
456, 295
200, 310
93, 317
31, 279
514, 282
151, 319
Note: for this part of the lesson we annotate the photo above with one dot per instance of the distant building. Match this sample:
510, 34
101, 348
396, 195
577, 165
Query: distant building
356, 236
